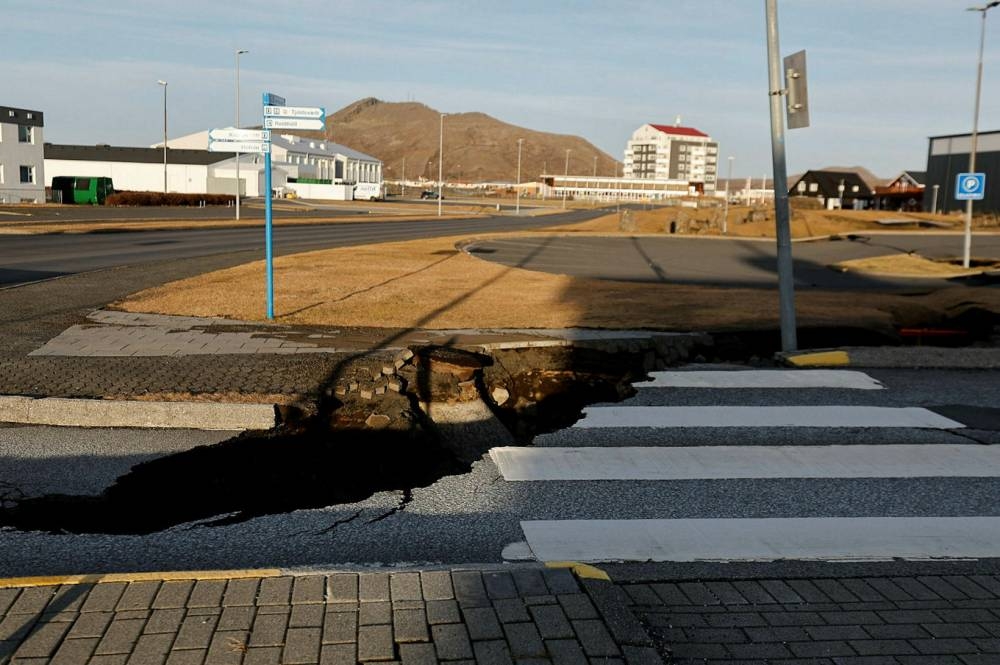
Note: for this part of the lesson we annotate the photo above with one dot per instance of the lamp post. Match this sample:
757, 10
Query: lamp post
566, 177
402, 181
440, 162
595, 166
934, 200
164, 84
239, 52
725, 210
975, 127
517, 207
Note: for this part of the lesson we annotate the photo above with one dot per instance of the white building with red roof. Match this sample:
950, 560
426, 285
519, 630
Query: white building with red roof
672, 152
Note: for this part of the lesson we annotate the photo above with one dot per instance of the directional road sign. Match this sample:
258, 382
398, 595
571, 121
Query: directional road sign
263, 147
293, 123
970, 187
233, 134
295, 111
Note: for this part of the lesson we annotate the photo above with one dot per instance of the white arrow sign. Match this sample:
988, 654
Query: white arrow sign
233, 134
295, 111
293, 123
240, 146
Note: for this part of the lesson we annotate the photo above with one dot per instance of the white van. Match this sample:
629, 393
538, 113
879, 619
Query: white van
369, 191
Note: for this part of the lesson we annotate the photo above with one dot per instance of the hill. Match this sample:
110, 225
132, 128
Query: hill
477, 147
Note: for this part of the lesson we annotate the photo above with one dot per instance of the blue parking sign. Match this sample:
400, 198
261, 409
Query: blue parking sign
970, 187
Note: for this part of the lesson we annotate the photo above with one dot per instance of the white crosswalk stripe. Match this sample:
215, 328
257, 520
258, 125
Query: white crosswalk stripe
828, 537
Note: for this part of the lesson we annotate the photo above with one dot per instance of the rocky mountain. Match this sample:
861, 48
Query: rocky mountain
477, 147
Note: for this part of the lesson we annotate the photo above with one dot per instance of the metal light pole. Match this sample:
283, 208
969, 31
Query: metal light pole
164, 84
975, 127
566, 177
595, 166
934, 199
517, 208
725, 213
786, 285
402, 181
440, 162
239, 52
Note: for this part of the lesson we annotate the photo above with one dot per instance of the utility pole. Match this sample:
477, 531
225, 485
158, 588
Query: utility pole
517, 208
566, 177
786, 285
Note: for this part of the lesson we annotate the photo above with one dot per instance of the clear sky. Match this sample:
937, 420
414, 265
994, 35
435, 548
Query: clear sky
883, 74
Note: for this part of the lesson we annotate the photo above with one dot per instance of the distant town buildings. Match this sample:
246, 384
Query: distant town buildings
22, 164
834, 189
672, 152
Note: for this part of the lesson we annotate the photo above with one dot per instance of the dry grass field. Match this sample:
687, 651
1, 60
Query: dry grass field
430, 284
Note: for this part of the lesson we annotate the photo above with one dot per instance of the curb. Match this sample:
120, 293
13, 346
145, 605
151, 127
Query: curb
99, 578
817, 359
66, 412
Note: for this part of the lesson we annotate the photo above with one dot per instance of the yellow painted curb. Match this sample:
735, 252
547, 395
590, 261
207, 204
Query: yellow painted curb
581, 570
53, 580
820, 358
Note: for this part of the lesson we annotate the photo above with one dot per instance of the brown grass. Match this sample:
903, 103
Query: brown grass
429, 284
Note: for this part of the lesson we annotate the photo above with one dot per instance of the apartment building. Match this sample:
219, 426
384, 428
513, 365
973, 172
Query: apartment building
672, 152
22, 163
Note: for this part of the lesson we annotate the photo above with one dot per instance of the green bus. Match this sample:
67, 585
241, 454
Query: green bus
82, 189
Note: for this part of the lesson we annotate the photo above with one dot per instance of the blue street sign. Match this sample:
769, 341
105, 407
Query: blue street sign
271, 99
970, 187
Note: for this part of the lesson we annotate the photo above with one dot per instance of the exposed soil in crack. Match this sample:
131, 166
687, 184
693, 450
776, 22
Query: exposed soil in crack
373, 431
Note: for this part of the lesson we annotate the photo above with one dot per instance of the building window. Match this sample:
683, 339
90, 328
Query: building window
813, 187
24, 134
27, 175
1, 174
854, 189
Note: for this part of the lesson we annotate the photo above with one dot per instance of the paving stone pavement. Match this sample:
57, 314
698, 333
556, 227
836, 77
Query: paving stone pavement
527, 615
885, 620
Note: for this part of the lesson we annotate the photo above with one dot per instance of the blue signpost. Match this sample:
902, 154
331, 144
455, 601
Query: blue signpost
270, 99
279, 116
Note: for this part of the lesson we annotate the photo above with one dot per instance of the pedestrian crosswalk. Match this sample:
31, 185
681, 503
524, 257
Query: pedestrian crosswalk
918, 535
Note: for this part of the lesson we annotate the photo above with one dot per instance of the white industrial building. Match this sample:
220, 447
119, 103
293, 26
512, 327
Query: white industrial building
672, 153
22, 163
352, 174
343, 174
613, 189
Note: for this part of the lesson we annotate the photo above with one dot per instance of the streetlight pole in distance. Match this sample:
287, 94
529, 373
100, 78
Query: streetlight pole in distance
934, 200
440, 162
595, 166
725, 213
402, 181
967, 250
566, 177
517, 208
239, 52
164, 84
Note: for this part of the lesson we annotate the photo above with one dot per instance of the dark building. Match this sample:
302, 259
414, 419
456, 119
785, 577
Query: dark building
947, 156
835, 189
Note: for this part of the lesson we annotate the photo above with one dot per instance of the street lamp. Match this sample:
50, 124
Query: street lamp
725, 213
975, 127
402, 181
595, 166
934, 200
517, 207
239, 52
164, 84
566, 177
440, 161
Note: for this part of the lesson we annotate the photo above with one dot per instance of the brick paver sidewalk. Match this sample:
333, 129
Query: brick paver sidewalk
878, 620
525, 615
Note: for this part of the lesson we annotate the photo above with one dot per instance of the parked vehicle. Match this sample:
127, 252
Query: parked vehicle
430, 194
83, 189
369, 191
